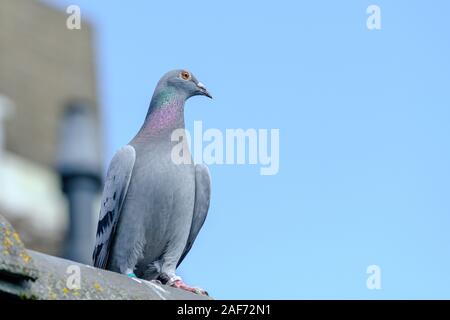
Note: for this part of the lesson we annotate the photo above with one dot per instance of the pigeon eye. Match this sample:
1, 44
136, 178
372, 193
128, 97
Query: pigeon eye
185, 75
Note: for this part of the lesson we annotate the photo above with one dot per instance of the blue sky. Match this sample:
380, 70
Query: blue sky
364, 137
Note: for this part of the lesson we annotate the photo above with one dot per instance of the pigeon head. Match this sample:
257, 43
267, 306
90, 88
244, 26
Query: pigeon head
183, 83
167, 104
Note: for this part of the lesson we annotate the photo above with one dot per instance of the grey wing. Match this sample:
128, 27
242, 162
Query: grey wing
201, 205
116, 186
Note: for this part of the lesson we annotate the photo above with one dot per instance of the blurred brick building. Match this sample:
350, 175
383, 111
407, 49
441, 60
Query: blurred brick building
43, 65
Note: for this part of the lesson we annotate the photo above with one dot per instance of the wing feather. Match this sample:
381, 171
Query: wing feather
114, 193
201, 205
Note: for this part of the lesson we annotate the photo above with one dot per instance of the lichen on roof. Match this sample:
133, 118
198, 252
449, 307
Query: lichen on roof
27, 274
14, 258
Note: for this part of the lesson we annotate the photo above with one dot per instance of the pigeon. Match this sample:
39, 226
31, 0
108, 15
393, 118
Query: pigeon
153, 207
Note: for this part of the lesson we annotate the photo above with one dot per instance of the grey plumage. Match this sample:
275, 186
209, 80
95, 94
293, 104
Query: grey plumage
152, 208
116, 186
202, 198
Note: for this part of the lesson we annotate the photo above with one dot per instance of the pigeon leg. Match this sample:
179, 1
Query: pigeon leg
181, 285
176, 282
130, 273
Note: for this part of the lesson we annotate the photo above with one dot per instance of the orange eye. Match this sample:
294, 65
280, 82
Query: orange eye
185, 75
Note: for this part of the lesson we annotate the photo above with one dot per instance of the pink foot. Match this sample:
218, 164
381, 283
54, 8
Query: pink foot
181, 285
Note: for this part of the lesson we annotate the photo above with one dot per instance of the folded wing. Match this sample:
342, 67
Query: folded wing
201, 205
114, 193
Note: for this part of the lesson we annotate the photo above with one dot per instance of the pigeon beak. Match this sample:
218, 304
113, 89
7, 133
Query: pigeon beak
202, 90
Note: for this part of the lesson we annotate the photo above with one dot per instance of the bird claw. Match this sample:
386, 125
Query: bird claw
183, 286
